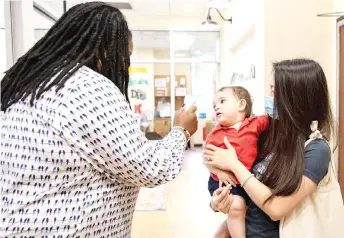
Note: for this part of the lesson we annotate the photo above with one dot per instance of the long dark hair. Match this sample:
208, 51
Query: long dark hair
301, 96
85, 35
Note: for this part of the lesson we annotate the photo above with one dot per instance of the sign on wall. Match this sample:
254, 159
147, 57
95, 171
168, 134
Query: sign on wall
139, 90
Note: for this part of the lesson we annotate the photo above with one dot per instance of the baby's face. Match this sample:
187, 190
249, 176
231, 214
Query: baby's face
226, 107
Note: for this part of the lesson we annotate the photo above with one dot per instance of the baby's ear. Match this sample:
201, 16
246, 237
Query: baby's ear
242, 105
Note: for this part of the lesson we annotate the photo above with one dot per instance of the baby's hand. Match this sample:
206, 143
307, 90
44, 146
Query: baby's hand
225, 178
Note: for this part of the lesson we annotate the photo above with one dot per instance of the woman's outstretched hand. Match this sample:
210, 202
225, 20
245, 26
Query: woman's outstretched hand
187, 119
224, 159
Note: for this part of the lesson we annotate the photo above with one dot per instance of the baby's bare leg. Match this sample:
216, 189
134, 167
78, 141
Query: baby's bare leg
222, 231
236, 218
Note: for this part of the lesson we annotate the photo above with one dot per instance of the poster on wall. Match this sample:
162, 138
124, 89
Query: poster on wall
140, 92
248, 73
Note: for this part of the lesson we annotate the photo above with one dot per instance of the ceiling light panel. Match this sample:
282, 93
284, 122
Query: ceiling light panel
189, 8
151, 7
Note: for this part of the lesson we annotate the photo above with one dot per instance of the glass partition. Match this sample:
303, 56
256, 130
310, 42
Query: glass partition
151, 45
183, 63
196, 45
150, 96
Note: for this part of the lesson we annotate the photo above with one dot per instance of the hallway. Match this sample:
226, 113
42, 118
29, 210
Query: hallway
188, 214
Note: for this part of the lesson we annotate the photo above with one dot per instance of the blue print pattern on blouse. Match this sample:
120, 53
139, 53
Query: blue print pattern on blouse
72, 165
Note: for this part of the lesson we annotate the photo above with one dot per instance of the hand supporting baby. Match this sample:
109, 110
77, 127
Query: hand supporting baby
217, 161
225, 177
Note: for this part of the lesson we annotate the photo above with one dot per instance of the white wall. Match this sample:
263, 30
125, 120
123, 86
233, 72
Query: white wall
282, 29
243, 46
293, 30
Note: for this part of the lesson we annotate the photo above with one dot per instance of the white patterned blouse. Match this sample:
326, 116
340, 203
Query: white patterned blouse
73, 164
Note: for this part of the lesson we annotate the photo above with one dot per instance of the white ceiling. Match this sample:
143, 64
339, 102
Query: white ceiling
188, 8
159, 7
143, 12
146, 12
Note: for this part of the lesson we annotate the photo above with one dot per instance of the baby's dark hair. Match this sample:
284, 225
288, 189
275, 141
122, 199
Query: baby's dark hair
241, 93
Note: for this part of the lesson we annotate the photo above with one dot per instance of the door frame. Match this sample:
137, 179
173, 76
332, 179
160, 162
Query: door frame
340, 100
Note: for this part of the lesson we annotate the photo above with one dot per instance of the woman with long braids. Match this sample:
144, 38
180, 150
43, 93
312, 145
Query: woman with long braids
73, 157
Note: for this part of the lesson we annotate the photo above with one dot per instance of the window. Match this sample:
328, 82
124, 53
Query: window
151, 45
42, 24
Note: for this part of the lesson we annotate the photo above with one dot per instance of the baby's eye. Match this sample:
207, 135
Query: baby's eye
222, 101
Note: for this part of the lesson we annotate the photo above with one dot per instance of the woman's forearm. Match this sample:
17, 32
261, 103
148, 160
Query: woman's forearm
279, 206
212, 169
256, 190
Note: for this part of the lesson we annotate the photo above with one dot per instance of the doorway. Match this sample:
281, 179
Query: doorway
340, 104
163, 71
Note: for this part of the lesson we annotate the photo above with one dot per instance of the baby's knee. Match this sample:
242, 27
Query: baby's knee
237, 212
238, 207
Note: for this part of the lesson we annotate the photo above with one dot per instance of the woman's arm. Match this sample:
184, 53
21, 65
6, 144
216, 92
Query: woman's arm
106, 133
317, 156
279, 206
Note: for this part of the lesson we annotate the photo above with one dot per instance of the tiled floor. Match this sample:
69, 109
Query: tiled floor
188, 214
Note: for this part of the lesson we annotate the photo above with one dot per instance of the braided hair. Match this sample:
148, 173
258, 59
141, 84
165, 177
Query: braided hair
85, 34
130, 35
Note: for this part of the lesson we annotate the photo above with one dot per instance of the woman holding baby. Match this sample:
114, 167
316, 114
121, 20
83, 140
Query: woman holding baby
287, 171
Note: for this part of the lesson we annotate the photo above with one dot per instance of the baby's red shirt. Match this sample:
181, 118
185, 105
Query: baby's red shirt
244, 140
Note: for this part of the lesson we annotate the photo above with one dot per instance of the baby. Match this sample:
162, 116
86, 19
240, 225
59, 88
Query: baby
233, 106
